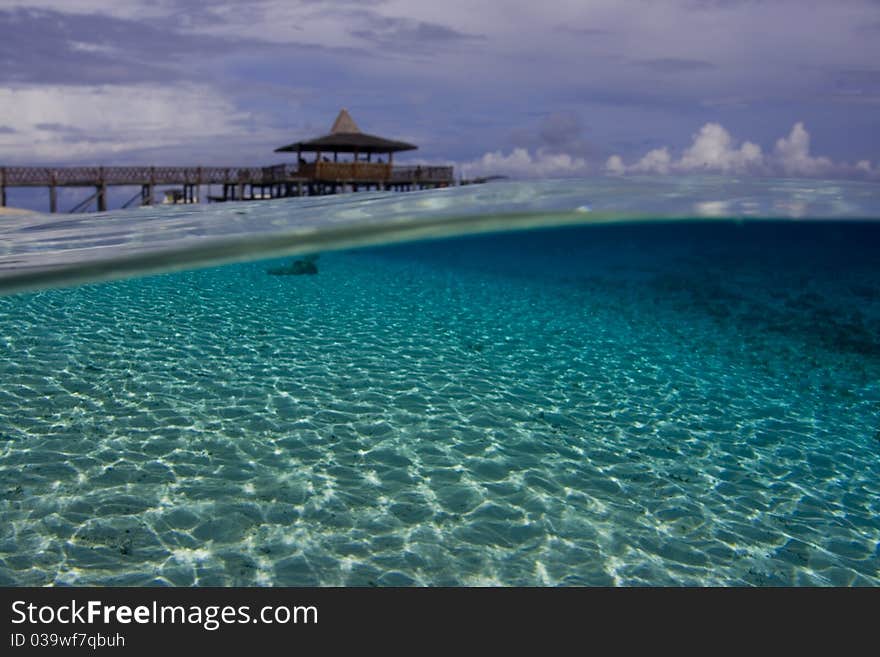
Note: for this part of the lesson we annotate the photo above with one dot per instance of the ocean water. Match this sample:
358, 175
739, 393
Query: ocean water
624, 399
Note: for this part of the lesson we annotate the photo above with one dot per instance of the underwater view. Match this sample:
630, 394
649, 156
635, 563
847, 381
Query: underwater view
649, 383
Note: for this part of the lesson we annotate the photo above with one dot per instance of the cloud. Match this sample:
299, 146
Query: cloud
655, 161
581, 31
560, 132
406, 34
51, 124
521, 163
674, 65
855, 86
559, 129
793, 155
44, 46
615, 166
55, 127
713, 150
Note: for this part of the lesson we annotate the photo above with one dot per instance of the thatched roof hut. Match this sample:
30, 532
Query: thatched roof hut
346, 137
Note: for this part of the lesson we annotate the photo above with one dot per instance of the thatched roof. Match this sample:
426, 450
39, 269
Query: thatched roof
346, 137
344, 124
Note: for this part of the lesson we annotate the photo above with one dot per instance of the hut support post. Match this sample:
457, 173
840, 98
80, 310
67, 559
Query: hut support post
101, 196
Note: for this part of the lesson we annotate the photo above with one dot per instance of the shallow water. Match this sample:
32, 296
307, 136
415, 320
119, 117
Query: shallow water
656, 403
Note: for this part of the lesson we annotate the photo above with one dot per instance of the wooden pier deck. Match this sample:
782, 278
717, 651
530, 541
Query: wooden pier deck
239, 183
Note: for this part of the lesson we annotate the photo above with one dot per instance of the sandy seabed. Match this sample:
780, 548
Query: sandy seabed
593, 406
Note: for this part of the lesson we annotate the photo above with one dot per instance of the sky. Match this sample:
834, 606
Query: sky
528, 89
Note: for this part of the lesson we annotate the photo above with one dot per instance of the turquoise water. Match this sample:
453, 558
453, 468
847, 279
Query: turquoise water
658, 403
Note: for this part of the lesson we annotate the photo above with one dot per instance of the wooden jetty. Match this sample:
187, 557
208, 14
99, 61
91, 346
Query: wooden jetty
355, 170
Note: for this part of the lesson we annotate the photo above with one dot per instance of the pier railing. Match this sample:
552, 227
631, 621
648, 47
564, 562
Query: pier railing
346, 171
422, 174
128, 175
134, 175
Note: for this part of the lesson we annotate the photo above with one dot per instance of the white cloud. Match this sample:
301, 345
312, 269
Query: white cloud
82, 46
118, 8
61, 123
615, 166
793, 154
713, 150
655, 161
521, 163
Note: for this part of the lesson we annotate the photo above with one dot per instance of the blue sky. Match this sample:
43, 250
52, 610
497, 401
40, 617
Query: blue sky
760, 87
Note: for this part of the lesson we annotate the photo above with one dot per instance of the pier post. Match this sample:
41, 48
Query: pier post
146, 194
239, 195
53, 191
101, 196
2, 187
101, 191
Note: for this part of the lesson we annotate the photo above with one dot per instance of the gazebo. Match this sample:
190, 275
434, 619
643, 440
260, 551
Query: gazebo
358, 148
